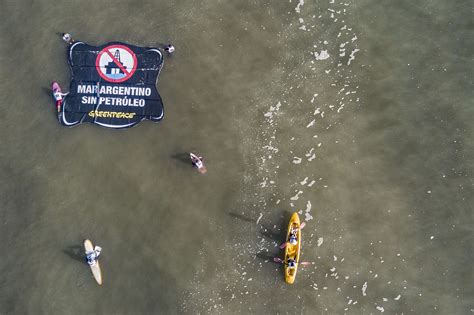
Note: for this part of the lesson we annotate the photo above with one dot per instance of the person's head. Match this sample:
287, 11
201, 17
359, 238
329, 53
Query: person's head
293, 240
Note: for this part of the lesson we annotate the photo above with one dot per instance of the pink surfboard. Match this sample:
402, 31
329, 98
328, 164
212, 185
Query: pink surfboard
55, 87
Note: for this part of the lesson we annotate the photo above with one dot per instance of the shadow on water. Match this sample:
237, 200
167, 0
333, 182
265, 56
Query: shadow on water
182, 157
278, 231
47, 91
265, 256
241, 217
276, 235
162, 46
75, 252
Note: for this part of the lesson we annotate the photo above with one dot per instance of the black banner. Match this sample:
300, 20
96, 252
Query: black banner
113, 85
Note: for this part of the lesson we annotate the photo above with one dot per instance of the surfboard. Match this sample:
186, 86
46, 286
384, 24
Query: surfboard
201, 169
55, 87
89, 248
293, 251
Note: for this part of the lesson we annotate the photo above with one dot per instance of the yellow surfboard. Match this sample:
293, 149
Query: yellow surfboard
292, 251
89, 248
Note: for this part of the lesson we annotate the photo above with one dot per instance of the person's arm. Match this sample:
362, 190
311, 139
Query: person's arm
97, 250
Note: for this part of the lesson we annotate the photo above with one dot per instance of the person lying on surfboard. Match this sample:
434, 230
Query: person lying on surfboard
293, 236
197, 161
58, 97
92, 257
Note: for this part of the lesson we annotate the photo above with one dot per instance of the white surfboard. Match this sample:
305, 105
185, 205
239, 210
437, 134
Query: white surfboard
89, 248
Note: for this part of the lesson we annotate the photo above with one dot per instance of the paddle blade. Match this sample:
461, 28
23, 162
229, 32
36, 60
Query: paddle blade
305, 263
283, 245
276, 259
302, 225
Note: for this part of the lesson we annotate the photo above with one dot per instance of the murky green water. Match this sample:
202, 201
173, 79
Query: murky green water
358, 114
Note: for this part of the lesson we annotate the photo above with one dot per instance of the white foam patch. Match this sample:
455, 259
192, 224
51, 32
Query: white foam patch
320, 241
298, 6
309, 153
352, 56
272, 112
302, 27
296, 160
304, 181
297, 196
307, 214
380, 308
323, 55
364, 288
271, 148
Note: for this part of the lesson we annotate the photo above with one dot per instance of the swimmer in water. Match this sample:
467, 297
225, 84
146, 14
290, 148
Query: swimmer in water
198, 162
68, 38
169, 49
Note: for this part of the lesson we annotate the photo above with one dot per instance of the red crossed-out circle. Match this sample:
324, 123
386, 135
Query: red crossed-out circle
128, 74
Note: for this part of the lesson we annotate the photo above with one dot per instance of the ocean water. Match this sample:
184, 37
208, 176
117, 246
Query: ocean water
356, 114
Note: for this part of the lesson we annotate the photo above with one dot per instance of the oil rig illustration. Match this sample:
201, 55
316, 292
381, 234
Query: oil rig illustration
112, 67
